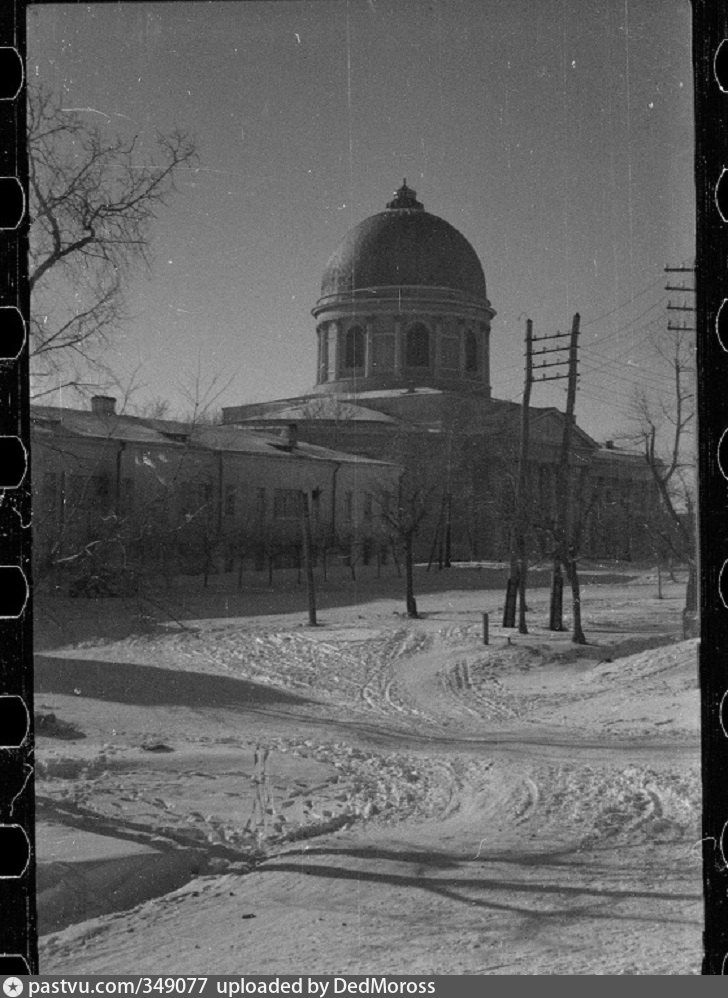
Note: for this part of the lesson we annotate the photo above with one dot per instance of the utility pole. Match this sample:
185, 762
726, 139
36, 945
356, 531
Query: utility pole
557, 580
563, 367
307, 559
522, 499
516, 585
680, 327
563, 520
691, 596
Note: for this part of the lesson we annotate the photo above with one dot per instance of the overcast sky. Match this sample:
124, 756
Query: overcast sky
556, 135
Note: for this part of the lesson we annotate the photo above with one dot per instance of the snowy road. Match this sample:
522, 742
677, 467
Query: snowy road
427, 805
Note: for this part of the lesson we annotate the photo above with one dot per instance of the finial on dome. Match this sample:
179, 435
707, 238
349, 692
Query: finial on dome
406, 199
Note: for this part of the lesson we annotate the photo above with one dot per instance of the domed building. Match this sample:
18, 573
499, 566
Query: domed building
403, 302
403, 360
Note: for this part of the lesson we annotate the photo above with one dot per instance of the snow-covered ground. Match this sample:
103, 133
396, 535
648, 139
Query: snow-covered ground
236, 792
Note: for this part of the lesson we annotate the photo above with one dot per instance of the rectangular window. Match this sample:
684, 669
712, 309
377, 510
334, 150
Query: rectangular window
316, 504
348, 506
367, 506
230, 493
260, 500
100, 490
286, 504
77, 491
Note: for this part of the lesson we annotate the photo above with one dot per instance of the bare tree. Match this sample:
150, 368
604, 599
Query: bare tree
663, 425
401, 515
93, 198
200, 395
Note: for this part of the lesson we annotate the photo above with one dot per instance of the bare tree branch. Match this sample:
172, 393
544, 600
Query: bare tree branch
93, 199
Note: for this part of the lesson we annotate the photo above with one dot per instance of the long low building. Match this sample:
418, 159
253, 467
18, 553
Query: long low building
159, 490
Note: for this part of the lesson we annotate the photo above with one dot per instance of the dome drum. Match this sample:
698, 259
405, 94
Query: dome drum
388, 351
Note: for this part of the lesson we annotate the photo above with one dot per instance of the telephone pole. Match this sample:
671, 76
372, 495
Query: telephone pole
680, 327
308, 558
690, 613
564, 366
522, 498
516, 585
562, 518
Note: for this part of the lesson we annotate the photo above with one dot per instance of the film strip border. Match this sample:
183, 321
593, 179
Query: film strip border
710, 59
18, 946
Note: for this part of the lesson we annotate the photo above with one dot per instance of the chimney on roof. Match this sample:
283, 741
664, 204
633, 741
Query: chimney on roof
609, 444
289, 436
103, 405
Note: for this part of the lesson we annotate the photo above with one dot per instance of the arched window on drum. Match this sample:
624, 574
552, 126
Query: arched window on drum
471, 352
418, 346
323, 353
354, 348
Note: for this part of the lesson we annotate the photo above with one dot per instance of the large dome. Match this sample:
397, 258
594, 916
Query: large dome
404, 246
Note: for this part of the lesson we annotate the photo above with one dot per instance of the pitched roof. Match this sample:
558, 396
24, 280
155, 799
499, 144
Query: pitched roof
241, 440
328, 408
176, 434
81, 423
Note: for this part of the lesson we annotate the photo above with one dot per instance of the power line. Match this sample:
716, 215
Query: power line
628, 374
623, 329
611, 337
639, 371
607, 399
629, 301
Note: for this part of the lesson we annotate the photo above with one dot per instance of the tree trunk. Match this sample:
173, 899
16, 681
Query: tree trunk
690, 616
691, 593
573, 575
509, 607
396, 560
522, 570
556, 621
409, 580
433, 547
307, 559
